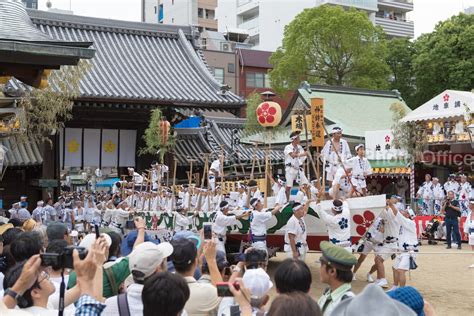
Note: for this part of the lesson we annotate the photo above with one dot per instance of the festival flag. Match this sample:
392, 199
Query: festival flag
128, 142
91, 147
73, 147
109, 147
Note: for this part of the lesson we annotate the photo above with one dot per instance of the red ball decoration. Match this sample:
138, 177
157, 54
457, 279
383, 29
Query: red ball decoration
269, 114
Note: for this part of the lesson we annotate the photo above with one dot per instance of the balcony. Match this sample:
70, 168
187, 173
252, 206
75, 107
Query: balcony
244, 6
368, 5
251, 26
399, 5
396, 28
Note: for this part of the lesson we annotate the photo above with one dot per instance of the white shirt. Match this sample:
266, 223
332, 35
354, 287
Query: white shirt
296, 227
259, 222
221, 222
392, 225
407, 239
294, 162
215, 167
360, 167
465, 191
330, 155
280, 198
40, 311
182, 221
338, 225
134, 298
374, 233
242, 202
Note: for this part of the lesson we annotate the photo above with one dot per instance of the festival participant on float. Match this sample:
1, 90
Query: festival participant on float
254, 191
313, 189
335, 271
438, 196
425, 192
242, 199
341, 187
360, 169
217, 198
295, 156
469, 227
451, 184
136, 177
296, 246
278, 190
221, 221
464, 195
214, 172
183, 221
330, 153
392, 222
258, 223
338, 224
408, 246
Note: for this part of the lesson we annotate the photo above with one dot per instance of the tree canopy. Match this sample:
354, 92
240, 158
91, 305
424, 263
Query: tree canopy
330, 45
444, 58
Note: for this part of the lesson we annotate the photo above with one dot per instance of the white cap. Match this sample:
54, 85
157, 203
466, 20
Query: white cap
359, 146
147, 256
89, 239
258, 282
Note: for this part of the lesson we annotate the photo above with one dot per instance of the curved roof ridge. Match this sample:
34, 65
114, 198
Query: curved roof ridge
101, 24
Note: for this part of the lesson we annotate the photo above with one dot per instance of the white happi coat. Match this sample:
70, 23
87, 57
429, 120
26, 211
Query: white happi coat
330, 156
360, 169
338, 226
438, 195
451, 186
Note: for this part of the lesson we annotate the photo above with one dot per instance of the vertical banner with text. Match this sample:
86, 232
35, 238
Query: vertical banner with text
317, 121
297, 122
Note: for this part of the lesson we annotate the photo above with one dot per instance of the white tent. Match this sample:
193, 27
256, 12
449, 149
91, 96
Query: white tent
448, 104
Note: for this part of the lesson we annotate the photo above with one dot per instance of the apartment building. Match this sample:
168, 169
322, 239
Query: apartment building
199, 13
265, 20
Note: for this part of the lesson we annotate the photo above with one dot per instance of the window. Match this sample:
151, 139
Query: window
231, 68
268, 83
154, 8
210, 14
219, 74
200, 12
255, 80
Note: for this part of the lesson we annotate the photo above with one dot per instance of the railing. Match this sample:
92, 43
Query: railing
248, 25
243, 2
391, 17
365, 4
401, 1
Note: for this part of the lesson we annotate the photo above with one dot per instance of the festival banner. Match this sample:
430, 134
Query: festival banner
317, 122
297, 123
91, 147
73, 147
128, 141
379, 145
109, 147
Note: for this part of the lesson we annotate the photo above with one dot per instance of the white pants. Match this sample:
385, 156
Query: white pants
386, 251
291, 174
359, 184
220, 244
402, 261
212, 182
261, 245
302, 252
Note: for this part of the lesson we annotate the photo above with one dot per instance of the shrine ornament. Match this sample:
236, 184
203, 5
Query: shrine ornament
268, 114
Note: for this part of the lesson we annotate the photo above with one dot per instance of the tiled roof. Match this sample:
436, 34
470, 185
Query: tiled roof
354, 110
21, 154
194, 142
151, 63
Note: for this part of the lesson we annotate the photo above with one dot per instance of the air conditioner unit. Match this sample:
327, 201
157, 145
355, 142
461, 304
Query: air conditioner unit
226, 47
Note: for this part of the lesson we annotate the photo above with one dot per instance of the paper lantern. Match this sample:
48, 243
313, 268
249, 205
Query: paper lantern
269, 114
164, 131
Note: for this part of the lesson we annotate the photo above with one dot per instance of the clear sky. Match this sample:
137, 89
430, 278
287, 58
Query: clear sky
426, 15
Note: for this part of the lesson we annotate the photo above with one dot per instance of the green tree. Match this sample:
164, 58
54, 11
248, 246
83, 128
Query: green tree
155, 144
401, 52
445, 58
47, 109
330, 45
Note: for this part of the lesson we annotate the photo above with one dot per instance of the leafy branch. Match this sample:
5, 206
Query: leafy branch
153, 137
46, 110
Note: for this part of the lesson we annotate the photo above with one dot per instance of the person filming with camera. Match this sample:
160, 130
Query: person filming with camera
451, 210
